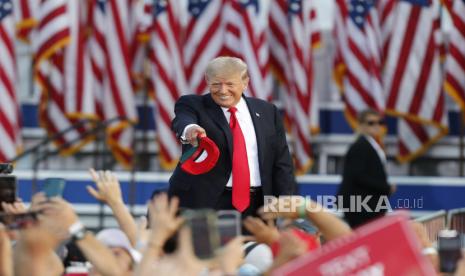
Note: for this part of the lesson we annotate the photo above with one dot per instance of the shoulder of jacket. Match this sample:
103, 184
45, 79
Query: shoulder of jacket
360, 142
192, 97
262, 104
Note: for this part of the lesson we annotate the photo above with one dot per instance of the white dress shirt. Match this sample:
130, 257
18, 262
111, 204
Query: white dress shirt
245, 122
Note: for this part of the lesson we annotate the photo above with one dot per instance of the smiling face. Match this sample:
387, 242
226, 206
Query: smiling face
227, 89
227, 80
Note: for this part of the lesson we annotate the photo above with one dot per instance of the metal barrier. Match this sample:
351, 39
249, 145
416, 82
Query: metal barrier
456, 219
434, 223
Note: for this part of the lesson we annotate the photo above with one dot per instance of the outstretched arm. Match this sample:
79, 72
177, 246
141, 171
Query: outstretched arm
185, 124
109, 192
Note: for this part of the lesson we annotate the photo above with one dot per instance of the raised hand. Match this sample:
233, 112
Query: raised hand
163, 220
263, 233
108, 187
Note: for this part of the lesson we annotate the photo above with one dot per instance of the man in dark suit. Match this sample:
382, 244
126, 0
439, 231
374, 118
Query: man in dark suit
254, 157
364, 176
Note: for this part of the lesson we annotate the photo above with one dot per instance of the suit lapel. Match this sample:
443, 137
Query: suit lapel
257, 124
216, 113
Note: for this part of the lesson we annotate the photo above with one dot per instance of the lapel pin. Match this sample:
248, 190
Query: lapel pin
256, 114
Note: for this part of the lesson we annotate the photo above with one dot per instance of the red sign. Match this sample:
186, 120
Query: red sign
384, 247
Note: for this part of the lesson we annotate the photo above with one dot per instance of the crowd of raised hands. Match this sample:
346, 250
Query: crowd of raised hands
33, 249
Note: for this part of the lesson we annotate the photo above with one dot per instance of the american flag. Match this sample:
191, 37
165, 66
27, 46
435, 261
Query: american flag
386, 20
25, 12
10, 124
141, 21
204, 38
246, 37
455, 61
413, 79
96, 47
167, 76
358, 38
111, 64
53, 32
79, 97
278, 32
292, 33
50, 39
52, 115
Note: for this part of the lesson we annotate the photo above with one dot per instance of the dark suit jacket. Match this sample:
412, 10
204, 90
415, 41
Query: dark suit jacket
364, 174
275, 164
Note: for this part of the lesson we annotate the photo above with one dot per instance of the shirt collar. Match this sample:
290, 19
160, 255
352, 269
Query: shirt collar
241, 106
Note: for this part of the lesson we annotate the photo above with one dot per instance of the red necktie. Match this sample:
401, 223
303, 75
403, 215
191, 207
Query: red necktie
240, 166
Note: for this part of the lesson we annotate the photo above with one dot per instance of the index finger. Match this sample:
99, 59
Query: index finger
94, 175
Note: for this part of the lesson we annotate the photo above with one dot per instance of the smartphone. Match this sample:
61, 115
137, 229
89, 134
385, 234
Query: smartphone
54, 187
205, 236
6, 168
7, 189
449, 249
229, 225
18, 221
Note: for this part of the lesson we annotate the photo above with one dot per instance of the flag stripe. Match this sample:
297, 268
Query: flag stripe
403, 57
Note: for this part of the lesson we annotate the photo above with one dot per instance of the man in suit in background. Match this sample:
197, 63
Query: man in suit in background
254, 157
364, 172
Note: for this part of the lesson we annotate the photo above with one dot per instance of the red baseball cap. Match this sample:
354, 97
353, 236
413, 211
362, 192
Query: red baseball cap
188, 159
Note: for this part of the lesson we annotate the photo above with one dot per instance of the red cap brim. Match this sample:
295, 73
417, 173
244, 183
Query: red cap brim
213, 153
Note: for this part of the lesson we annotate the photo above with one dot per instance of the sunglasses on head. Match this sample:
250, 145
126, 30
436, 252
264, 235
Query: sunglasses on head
375, 122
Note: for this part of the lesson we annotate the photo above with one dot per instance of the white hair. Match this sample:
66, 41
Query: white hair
226, 65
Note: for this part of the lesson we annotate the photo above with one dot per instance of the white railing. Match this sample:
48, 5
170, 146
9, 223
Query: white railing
434, 223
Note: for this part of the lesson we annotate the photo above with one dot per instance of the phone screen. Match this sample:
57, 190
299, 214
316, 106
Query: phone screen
450, 252
204, 230
18, 221
54, 187
7, 189
229, 225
